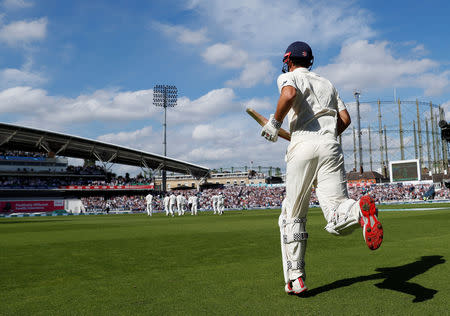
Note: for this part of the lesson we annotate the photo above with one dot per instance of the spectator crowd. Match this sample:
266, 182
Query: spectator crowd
248, 197
52, 182
117, 203
20, 153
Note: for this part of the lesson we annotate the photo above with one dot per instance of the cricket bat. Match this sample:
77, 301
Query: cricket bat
262, 121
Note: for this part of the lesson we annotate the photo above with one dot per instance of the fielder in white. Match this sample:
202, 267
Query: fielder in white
148, 200
180, 204
172, 203
193, 200
220, 203
184, 204
316, 116
215, 199
166, 206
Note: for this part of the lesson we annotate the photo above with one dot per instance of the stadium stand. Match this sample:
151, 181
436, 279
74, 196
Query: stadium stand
100, 191
32, 181
35, 175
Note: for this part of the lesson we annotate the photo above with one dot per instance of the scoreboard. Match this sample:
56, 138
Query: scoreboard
404, 170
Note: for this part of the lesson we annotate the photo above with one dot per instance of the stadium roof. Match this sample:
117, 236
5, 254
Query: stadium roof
23, 138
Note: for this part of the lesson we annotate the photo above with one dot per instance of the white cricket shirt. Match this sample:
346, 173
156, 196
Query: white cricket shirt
316, 105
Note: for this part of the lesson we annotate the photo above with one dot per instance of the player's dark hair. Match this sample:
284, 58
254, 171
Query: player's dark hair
301, 62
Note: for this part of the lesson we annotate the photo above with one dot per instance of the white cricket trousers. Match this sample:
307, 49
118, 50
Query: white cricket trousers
310, 158
314, 159
166, 209
220, 208
180, 209
171, 208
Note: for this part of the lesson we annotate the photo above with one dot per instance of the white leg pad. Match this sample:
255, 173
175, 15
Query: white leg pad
293, 246
282, 219
344, 219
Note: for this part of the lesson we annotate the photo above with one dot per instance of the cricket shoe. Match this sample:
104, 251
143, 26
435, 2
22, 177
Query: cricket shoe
295, 287
372, 228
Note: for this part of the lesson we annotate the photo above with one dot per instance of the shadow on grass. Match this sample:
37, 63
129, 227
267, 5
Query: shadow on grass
393, 278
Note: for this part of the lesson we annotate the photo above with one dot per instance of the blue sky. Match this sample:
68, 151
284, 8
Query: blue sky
88, 67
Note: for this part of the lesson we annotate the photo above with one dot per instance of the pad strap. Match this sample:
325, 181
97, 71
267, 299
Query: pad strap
293, 230
296, 237
296, 265
293, 221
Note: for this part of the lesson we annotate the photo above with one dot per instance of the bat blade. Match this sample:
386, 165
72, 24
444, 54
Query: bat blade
262, 121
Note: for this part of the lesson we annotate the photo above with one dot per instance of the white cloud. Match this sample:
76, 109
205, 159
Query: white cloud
36, 106
183, 34
228, 56
23, 99
211, 132
211, 154
365, 65
124, 137
233, 140
248, 24
259, 104
366, 110
212, 104
11, 77
104, 105
143, 139
433, 83
24, 31
420, 50
225, 55
253, 74
16, 4
252, 23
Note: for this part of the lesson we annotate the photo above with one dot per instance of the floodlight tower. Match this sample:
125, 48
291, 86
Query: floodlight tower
165, 96
356, 93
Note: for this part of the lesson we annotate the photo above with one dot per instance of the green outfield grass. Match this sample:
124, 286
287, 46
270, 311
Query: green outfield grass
229, 265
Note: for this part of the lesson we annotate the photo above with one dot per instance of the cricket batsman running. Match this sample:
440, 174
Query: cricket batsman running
316, 116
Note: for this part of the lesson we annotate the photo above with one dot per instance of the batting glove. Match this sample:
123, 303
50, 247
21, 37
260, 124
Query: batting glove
270, 130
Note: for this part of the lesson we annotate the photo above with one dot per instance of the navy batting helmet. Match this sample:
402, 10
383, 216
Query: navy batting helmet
298, 51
